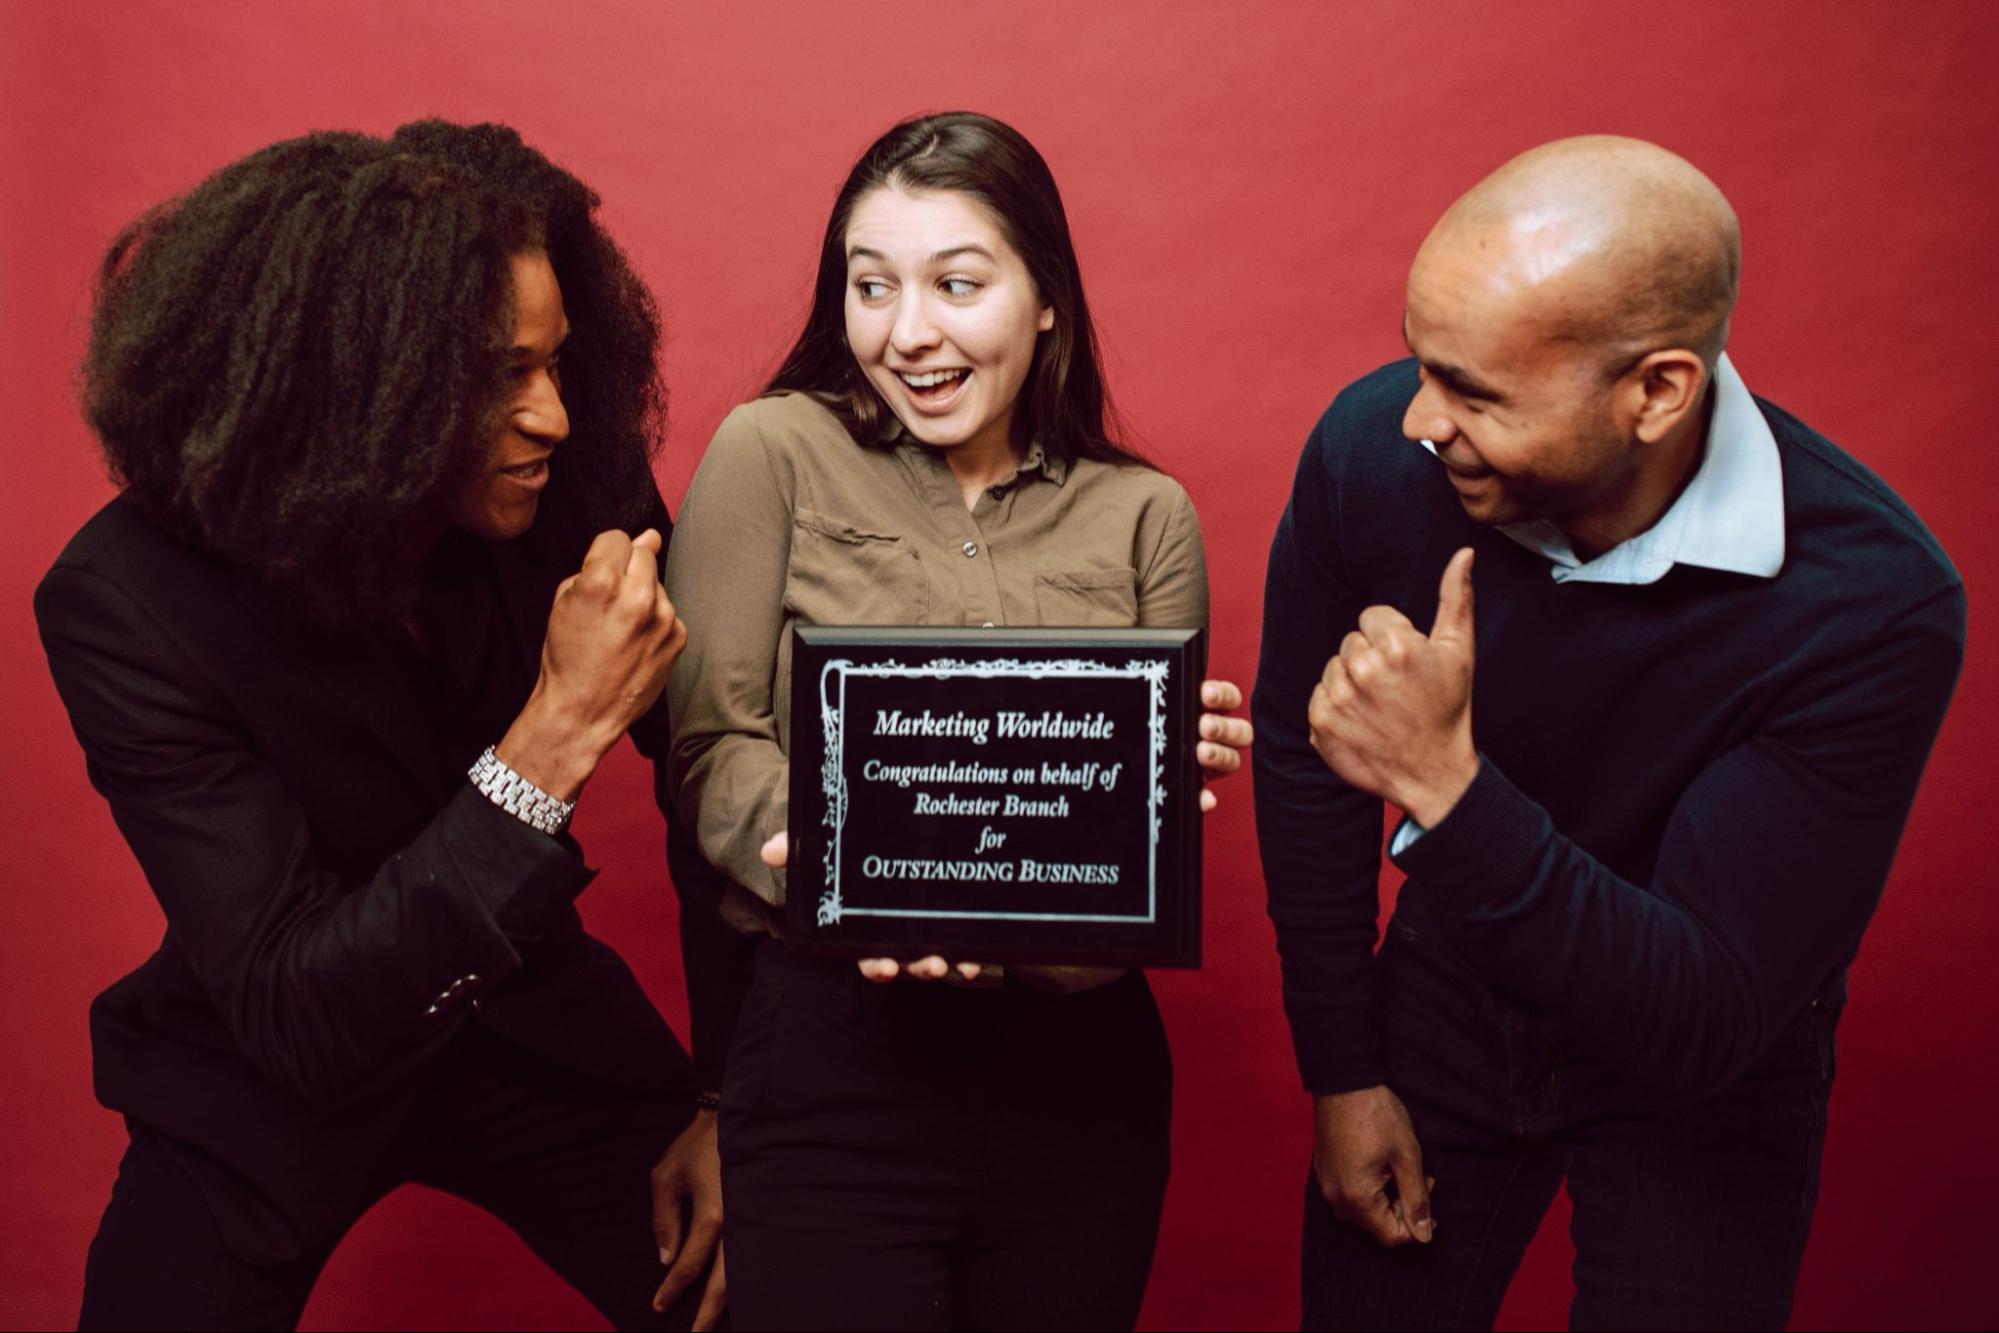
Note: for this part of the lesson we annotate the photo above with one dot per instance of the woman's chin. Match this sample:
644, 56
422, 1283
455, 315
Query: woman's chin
936, 433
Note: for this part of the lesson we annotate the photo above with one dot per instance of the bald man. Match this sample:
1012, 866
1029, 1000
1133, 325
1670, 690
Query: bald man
1650, 786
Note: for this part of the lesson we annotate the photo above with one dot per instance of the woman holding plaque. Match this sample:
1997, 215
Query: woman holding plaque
934, 451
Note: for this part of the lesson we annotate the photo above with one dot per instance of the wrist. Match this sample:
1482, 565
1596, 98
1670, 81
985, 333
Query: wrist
1065, 979
1346, 1098
1428, 801
554, 755
499, 783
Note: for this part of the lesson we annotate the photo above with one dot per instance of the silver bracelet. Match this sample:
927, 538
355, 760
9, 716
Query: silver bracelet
519, 797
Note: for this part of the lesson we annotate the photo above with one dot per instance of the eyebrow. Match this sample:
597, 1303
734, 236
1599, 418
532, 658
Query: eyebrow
522, 349
1462, 382
942, 256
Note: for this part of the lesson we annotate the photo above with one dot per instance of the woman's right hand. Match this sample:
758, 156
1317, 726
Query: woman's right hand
612, 639
774, 853
1060, 980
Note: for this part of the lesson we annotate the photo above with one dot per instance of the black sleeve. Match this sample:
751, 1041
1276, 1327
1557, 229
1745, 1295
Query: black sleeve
324, 983
1772, 863
715, 959
1320, 838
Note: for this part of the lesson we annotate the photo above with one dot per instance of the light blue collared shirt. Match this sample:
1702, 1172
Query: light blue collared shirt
1729, 517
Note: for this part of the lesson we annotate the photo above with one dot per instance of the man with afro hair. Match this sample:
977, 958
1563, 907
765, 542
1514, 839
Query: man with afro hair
378, 591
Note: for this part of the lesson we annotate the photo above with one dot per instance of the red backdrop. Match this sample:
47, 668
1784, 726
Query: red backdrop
1246, 186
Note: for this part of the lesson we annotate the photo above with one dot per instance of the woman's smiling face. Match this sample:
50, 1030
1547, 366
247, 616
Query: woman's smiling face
941, 314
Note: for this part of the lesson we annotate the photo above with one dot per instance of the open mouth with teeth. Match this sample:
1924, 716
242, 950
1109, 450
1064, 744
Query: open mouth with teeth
533, 475
933, 386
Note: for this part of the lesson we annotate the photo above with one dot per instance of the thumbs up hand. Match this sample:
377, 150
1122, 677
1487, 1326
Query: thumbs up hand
1392, 714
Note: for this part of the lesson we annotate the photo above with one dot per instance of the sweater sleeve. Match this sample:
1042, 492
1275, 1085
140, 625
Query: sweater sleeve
1771, 865
1320, 838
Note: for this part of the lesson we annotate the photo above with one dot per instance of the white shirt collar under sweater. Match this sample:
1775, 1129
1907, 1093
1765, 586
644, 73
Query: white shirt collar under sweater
1729, 517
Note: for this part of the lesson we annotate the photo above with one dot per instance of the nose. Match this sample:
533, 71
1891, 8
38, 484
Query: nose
1427, 417
914, 330
538, 411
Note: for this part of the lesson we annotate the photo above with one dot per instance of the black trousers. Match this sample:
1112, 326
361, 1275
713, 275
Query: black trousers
561, 1158
1685, 1217
925, 1156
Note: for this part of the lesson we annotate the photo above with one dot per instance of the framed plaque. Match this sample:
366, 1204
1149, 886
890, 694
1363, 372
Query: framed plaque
996, 795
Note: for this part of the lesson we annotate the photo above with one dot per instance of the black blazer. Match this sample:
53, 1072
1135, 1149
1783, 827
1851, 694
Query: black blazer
337, 895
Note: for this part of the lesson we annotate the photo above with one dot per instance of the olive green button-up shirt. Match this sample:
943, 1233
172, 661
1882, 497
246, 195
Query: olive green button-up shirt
789, 520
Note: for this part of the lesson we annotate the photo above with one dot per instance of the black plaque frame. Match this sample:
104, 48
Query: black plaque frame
1151, 917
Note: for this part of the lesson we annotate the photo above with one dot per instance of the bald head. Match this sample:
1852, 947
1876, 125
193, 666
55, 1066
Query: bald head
1609, 242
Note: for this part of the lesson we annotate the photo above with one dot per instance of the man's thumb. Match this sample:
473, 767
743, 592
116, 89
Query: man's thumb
1454, 598
1412, 1194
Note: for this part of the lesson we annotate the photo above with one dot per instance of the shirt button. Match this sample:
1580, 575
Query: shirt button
970, 549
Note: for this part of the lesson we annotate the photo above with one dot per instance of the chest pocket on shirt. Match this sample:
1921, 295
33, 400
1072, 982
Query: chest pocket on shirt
1106, 597
843, 575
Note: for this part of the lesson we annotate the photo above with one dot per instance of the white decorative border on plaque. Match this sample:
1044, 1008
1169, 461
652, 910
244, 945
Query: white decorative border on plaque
833, 782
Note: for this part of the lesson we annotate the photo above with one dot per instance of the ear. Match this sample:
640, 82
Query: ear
1662, 389
1047, 319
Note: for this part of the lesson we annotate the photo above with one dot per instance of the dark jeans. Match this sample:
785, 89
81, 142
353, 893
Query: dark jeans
1685, 1217
924, 1156
562, 1159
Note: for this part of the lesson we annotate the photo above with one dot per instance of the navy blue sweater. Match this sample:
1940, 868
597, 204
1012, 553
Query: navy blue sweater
1690, 791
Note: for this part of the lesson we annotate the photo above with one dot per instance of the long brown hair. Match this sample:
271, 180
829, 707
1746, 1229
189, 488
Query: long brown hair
1063, 402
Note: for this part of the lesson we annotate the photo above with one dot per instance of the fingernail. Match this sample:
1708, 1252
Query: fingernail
1426, 1229
665, 1255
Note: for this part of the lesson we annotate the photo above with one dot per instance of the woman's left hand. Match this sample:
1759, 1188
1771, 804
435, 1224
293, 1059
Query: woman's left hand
1223, 738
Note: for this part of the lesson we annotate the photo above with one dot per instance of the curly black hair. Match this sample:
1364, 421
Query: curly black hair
288, 363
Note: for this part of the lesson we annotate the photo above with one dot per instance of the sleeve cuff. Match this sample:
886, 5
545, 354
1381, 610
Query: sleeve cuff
1338, 1050
523, 876
1346, 1076
1485, 849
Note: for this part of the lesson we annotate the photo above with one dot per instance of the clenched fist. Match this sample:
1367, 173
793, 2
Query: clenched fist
1392, 714
612, 639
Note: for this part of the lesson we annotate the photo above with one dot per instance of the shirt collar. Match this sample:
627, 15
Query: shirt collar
1730, 516
1038, 459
